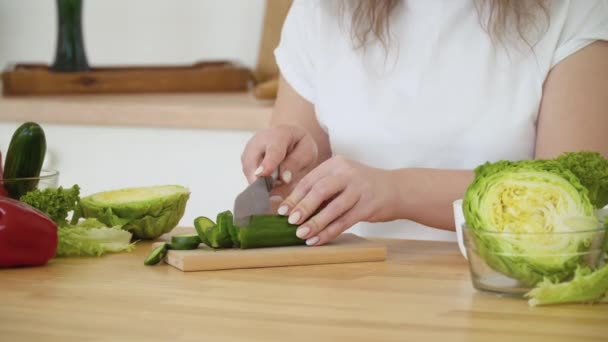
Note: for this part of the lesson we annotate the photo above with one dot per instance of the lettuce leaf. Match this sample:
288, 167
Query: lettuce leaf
92, 238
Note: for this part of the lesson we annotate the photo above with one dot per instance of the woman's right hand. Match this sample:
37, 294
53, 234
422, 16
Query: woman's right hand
287, 148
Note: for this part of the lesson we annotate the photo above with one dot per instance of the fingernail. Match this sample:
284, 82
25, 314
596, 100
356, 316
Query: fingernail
286, 176
283, 210
302, 232
276, 198
294, 218
312, 241
258, 171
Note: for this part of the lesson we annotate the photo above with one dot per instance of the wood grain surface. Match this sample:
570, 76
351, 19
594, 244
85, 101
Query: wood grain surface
345, 249
236, 111
422, 292
38, 79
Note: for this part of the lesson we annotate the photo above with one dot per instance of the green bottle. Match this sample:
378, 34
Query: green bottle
70, 54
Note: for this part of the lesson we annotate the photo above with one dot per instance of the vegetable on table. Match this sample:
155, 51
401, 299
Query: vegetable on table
24, 159
184, 241
536, 221
586, 286
147, 212
27, 236
157, 255
88, 237
262, 231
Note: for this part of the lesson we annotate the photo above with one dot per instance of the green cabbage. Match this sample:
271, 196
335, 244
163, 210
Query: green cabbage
535, 197
92, 238
147, 212
592, 170
585, 287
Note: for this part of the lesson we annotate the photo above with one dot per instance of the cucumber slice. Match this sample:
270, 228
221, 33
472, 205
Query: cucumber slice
203, 225
184, 241
157, 255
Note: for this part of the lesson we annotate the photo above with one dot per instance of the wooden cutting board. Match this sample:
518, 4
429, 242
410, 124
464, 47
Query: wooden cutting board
347, 248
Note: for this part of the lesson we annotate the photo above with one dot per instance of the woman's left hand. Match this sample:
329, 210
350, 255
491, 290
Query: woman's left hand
346, 192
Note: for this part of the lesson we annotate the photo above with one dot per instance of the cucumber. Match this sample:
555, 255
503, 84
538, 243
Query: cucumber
184, 241
202, 224
221, 237
268, 231
24, 159
262, 231
157, 255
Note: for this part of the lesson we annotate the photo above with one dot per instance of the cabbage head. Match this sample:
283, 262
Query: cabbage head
511, 206
147, 212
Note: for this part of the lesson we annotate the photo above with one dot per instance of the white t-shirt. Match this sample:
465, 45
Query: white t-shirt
443, 96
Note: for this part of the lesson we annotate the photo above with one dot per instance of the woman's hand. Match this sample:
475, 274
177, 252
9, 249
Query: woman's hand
288, 148
346, 192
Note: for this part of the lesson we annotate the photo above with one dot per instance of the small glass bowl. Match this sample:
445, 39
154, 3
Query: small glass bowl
17, 187
499, 267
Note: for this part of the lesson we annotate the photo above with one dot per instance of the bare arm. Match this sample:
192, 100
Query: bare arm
573, 116
574, 110
292, 109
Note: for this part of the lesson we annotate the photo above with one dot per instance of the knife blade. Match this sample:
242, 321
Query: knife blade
254, 200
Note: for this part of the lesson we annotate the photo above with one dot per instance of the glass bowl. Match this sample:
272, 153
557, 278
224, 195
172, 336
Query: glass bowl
17, 187
498, 265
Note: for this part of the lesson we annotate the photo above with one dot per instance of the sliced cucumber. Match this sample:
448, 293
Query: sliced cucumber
203, 225
184, 241
157, 255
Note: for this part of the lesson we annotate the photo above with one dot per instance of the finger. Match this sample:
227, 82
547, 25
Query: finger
346, 201
304, 186
303, 154
325, 189
284, 138
337, 227
252, 156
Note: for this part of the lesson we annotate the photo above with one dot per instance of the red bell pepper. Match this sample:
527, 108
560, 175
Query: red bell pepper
27, 236
3, 192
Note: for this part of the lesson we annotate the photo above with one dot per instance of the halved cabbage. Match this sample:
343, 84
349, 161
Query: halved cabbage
511, 206
147, 212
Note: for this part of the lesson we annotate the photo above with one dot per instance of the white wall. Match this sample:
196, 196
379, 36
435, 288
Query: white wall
104, 158
137, 31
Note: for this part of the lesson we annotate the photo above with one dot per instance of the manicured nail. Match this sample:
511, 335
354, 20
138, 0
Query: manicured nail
258, 171
302, 232
286, 176
283, 210
276, 198
312, 241
294, 218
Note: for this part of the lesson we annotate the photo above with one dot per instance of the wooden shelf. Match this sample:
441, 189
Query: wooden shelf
235, 111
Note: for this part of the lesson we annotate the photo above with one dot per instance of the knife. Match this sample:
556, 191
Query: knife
254, 200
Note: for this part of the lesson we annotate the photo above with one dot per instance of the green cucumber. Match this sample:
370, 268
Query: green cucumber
221, 237
184, 241
24, 159
202, 224
261, 231
157, 255
268, 231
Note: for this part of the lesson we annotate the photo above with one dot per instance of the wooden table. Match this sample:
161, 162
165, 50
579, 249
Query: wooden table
235, 111
421, 293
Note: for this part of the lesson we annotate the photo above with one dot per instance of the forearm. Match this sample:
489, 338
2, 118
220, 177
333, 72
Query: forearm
426, 195
292, 109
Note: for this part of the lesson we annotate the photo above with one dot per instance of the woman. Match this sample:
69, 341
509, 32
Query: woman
385, 107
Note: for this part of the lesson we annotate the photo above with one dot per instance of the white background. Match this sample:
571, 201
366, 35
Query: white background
137, 31
142, 32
